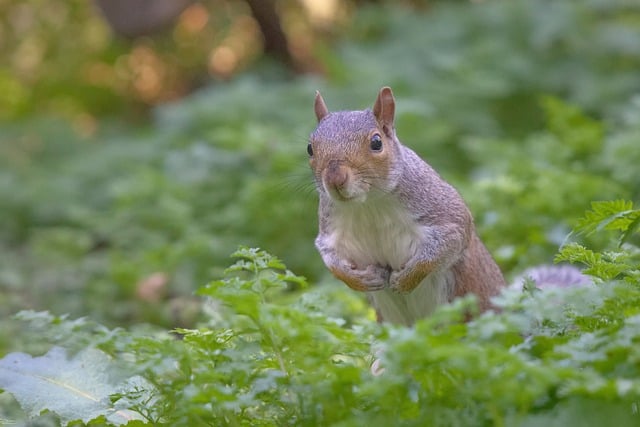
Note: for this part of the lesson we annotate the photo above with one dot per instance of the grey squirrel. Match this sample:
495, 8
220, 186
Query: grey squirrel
389, 225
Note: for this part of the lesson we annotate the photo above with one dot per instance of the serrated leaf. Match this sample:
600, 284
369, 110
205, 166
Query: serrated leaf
254, 259
607, 215
632, 228
75, 388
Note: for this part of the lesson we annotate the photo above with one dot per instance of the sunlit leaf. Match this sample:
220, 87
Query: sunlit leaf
74, 388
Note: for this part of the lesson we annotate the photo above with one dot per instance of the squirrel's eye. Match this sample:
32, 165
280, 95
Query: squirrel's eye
376, 142
309, 149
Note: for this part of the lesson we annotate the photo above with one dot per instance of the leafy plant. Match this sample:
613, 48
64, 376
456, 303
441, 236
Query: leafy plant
616, 263
564, 356
526, 106
530, 115
77, 388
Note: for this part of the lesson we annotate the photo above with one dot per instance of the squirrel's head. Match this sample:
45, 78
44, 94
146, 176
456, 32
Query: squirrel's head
354, 152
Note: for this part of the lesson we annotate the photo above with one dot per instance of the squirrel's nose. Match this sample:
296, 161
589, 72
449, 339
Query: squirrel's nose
336, 175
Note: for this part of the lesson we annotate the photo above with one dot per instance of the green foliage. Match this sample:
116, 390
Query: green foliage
95, 72
560, 357
557, 173
45, 69
76, 388
618, 216
526, 106
528, 113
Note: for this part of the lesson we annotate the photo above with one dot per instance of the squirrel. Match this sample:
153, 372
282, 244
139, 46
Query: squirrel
389, 225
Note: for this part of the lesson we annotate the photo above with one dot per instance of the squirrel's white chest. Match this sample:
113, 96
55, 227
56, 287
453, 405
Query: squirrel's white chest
376, 232
385, 233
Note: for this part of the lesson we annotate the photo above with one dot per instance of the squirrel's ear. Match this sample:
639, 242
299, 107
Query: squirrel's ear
320, 107
384, 109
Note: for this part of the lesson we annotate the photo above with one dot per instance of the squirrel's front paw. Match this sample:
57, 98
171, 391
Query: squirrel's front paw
374, 277
407, 279
395, 280
371, 278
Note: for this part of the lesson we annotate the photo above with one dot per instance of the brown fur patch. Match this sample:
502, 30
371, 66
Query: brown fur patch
349, 280
477, 273
415, 276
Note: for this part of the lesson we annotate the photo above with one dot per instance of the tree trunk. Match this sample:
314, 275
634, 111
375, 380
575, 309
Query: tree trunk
275, 41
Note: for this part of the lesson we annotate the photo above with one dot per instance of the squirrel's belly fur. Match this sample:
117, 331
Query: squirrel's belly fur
435, 290
376, 231
381, 231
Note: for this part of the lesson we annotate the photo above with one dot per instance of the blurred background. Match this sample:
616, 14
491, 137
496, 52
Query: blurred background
142, 141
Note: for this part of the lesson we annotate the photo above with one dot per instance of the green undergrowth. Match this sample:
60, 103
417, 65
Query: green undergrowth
108, 231
530, 112
558, 357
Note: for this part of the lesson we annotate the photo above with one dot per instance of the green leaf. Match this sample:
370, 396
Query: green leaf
608, 215
630, 230
604, 265
74, 388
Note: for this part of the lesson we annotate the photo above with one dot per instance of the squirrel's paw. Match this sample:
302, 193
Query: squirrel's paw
407, 278
395, 281
374, 277
371, 278
403, 280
